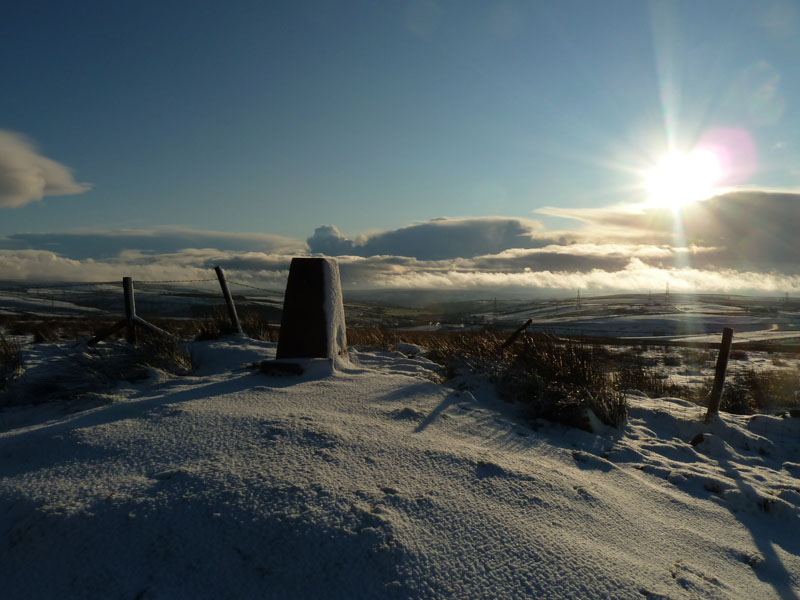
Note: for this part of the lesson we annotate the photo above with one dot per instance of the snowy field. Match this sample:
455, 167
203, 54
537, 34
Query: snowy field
370, 480
688, 318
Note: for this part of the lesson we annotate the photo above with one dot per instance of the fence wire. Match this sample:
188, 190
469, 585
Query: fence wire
161, 281
253, 287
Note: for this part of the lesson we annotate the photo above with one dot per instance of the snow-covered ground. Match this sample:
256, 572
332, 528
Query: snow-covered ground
12, 304
687, 320
370, 480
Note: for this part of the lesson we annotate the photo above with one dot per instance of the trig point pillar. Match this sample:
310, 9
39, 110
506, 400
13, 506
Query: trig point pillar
312, 324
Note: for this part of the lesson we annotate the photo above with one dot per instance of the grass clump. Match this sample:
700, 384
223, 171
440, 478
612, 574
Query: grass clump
560, 380
11, 365
163, 353
636, 376
769, 388
82, 377
697, 357
257, 327
754, 391
217, 324
373, 337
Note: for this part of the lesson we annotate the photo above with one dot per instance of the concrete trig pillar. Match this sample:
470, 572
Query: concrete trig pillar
312, 323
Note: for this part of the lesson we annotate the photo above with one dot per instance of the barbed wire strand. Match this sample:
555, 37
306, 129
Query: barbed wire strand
247, 285
186, 291
146, 281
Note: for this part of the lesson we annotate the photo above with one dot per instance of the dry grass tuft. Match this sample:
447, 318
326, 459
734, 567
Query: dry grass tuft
82, 375
753, 391
218, 324
11, 365
561, 379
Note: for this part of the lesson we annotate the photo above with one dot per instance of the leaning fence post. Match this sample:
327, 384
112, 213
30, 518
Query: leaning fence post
229, 300
514, 336
719, 374
130, 308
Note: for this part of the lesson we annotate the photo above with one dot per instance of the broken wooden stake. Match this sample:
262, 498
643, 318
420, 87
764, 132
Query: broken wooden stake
513, 337
130, 321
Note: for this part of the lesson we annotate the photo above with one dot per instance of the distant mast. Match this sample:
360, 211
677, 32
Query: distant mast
666, 295
578, 300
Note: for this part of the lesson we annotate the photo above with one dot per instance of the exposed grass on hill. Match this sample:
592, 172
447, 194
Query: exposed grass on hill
553, 378
753, 391
557, 378
54, 329
10, 360
213, 325
81, 376
217, 324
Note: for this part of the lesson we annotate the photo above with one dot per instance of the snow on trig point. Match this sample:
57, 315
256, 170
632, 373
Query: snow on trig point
312, 324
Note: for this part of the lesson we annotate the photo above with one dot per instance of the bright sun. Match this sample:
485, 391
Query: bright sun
679, 179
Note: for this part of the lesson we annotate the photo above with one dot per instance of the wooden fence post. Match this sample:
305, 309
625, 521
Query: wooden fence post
130, 321
229, 301
130, 308
719, 374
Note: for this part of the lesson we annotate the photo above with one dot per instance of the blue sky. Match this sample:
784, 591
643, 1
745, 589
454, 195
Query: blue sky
275, 118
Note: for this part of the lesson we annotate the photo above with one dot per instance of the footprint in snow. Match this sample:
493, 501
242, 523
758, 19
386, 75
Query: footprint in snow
407, 414
584, 460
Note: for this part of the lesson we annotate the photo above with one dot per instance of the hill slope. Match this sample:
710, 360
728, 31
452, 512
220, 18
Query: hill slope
371, 481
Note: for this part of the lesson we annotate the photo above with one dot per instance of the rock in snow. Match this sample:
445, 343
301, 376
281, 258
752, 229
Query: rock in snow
374, 482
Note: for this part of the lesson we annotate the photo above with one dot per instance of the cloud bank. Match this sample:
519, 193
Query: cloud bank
739, 242
26, 175
748, 229
437, 239
80, 245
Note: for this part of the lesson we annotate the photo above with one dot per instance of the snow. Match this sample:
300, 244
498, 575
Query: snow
18, 303
637, 318
371, 480
333, 307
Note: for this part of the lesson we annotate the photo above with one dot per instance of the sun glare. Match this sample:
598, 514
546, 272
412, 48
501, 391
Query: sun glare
679, 179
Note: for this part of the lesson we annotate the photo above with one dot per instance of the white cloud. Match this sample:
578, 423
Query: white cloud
26, 175
190, 264
636, 276
270, 270
738, 242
